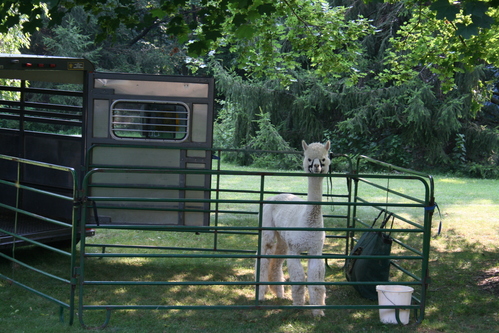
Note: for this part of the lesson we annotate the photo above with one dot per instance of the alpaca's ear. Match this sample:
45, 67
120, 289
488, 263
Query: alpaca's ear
327, 145
304, 145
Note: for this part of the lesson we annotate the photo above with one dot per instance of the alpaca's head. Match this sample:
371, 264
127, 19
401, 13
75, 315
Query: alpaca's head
316, 157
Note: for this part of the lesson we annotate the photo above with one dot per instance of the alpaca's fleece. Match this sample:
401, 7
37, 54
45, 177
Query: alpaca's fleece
292, 242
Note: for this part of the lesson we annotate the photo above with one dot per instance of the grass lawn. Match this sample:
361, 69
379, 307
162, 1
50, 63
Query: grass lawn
463, 294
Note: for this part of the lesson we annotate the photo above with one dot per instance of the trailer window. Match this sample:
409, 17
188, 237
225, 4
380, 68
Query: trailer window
149, 120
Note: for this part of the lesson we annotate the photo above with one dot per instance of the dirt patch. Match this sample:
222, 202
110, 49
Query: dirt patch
489, 280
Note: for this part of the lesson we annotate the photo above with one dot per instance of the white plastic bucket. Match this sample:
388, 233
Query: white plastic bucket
394, 295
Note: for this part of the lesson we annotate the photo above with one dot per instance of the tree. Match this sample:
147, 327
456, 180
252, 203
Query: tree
413, 118
439, 34
378, 75
444, 39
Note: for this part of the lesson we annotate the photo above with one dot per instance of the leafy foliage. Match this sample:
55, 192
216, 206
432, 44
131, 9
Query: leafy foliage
69, 40
397, 80
459, 151
475, 10
267, 138
311, 35
223, 129
10, 43
444, 39
258, 28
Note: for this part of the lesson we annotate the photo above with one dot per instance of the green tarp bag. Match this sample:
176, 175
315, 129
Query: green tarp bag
370, 270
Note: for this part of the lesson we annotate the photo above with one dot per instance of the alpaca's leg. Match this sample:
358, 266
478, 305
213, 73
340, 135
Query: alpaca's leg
268, 248
262, 289
275, 268
296, 274
317, 293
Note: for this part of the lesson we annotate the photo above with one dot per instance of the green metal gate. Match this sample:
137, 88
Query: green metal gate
233, 238
31, 227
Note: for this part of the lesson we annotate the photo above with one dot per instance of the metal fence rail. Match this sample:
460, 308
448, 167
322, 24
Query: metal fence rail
221, 258
13, 232
234, 235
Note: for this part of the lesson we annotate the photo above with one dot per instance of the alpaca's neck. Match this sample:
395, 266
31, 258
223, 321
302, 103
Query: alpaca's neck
313, 213
315, 188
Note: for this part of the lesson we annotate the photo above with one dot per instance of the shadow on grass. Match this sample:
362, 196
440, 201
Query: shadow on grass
461, 297
456, 301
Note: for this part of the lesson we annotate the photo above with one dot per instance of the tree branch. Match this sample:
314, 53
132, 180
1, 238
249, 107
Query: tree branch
144, 32
307, 25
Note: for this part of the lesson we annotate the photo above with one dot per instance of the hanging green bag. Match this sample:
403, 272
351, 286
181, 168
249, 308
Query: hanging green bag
375, 243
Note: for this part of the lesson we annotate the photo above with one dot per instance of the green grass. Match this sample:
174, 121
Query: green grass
460, 298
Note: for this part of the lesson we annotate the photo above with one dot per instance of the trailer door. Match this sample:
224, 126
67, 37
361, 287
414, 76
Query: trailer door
149, 123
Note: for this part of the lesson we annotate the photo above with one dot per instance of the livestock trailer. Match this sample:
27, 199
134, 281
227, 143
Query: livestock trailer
59, 117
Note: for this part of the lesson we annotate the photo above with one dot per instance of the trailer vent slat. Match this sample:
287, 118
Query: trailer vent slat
149, 120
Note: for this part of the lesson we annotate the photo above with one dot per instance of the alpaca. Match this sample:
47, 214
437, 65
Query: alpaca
282, 242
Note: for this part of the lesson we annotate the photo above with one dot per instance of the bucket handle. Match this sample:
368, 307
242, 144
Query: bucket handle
397, 310
397, 316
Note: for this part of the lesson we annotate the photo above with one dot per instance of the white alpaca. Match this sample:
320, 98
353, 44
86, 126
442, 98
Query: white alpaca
295, 242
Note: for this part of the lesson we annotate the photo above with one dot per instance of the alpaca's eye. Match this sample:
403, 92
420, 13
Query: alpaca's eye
310, 160
323, 160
